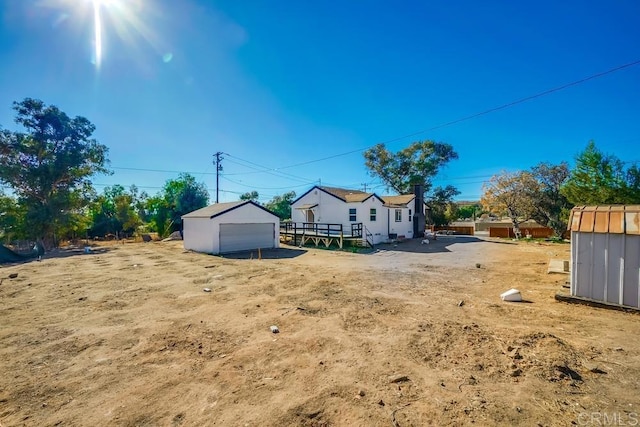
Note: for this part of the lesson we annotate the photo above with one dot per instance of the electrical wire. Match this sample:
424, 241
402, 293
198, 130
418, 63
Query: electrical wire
161, 170
266, 188
475, 115
279, 173
271, 171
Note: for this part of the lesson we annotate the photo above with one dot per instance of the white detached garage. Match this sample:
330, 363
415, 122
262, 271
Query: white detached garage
230, 227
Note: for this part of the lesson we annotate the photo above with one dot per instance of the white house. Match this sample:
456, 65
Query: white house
383, 217
230, 227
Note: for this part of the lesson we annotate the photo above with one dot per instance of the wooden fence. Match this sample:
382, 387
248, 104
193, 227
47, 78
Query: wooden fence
536, 233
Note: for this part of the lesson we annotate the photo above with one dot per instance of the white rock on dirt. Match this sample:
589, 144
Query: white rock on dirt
512, 295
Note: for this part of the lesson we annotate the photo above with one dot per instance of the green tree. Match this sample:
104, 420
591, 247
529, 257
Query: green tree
184, 195
596, 179
281, 205
252, 195
178, 197
632, 186
114, 211
512, 194
443, 209
419, 163
11, 218
469, 211
551, 207
139, 204
48, 167
158, 215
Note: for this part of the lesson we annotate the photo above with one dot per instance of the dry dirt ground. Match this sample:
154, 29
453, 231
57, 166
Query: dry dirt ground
126, 336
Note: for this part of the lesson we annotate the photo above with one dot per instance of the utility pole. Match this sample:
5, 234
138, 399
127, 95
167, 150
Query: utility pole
365, 187
218, 164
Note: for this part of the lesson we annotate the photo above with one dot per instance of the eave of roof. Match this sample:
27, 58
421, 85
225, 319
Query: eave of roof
218, 209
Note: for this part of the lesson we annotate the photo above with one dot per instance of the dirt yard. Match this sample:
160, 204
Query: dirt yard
411, 335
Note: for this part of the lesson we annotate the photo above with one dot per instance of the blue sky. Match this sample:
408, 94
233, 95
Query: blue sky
277, 85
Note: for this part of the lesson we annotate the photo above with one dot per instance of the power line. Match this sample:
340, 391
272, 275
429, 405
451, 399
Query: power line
266, 169
473, 116
277, 173
161, 170
271, 171
267, 188
139, 186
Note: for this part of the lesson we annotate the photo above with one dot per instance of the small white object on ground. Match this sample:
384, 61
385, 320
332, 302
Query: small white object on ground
274, 329
207, 289
512, 295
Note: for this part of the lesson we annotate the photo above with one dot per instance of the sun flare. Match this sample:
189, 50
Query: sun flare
126, 25
97, 24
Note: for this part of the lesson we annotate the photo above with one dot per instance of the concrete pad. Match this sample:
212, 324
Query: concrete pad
558, 266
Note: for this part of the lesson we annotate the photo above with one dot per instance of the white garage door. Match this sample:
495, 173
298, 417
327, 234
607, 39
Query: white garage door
241, 237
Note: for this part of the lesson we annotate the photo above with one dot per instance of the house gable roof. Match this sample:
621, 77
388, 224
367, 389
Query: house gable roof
344, 194
357, 196
218, 209
347, 195
398, 201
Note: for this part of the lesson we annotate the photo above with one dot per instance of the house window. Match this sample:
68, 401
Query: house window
372, 214
410, 215
352, 214
398, 215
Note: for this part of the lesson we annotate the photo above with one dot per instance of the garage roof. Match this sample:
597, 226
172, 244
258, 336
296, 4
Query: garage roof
218, 209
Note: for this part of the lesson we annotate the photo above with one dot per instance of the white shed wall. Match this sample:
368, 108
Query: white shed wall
203, 234
197, 235
606, 267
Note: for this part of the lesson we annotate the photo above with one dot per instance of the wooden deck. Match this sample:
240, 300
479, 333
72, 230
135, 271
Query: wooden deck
301, 233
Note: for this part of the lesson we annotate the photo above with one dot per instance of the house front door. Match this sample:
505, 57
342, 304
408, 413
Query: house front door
310, 218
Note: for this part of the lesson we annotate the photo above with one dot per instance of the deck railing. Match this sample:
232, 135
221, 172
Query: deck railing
356, 229
322, 233
367, 238
320, 229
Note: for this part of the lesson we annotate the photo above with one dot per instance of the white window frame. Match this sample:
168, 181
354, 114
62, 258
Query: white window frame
398, 215
373, 214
